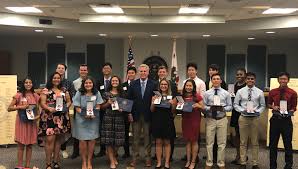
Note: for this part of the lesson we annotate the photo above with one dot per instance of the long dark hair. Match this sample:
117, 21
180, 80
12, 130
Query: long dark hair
50, 85
119, 87
83, 89
22, 87
194, 90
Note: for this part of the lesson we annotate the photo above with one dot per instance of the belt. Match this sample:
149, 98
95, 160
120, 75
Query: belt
218, 118
281, 116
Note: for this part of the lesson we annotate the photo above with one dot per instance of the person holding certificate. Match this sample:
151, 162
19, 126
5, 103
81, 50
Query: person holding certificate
217, 102
86, 129
25, 128
54, 119
191, 122
250, 102
113, 127
163, 129
283, 102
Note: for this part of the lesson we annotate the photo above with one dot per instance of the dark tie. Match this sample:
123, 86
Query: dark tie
282, 93
142, 88
249, 94
107, 84
214, 113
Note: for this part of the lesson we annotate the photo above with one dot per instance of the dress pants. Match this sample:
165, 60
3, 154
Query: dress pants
126, 144
218, 128
281, 126
137, 127
249, 129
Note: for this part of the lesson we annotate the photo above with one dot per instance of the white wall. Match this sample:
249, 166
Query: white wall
163, 47
20, 46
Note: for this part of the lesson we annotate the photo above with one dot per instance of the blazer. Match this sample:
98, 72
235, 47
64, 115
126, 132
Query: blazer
141, 105
100, 83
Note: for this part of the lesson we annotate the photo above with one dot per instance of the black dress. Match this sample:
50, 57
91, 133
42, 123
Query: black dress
235, 115
163, 123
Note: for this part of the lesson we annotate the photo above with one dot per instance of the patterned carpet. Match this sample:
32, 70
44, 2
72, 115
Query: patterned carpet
8, 159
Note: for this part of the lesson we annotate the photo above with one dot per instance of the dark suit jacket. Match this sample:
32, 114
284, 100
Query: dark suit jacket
125, 85
223, 84
141, 105
100, 83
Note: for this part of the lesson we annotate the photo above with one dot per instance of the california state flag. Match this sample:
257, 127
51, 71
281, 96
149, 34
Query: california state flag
174, 65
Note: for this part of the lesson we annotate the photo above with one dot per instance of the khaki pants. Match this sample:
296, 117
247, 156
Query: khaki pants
137, 127
218, 127
249, 129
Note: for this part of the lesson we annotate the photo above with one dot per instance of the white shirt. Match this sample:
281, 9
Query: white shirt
200, 84
77, 83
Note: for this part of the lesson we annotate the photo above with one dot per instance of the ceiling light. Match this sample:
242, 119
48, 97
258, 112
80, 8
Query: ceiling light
59, 37
194, 10
206, 35
270, 32
102, 34
107, 9
24, 9
280, 10
250, 38
38, 30
154, 35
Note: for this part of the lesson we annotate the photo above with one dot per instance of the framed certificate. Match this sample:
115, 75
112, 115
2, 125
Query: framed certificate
125, 104
187, 107
250, 107
283, 106
89, 110
216, 100
115, 105
59, 103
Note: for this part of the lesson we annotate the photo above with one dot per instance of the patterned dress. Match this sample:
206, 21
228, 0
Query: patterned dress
26, 132
113, 127
54, 123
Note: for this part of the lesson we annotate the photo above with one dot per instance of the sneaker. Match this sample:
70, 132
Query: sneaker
64, 154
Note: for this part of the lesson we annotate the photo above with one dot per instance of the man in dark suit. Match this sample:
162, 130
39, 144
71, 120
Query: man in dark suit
131, 75
163, 74
102, 86
141, 92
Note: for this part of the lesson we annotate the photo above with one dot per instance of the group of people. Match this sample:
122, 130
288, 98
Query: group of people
152, 114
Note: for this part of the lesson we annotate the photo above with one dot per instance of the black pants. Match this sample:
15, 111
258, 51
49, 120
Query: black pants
284, 126
126, 144
102, 146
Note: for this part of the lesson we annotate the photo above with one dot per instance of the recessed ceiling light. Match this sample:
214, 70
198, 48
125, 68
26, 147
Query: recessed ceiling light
108, 9
194, 10
270, 32
59, 37
38, 30
154, 35
102, 34
24, 9
280, 10
250, 38
206, 35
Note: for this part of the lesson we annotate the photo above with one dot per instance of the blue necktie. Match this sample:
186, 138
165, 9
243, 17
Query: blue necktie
107, 84
214, 113
142, 88
249, 94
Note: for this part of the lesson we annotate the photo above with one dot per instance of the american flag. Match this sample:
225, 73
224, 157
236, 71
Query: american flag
130, 60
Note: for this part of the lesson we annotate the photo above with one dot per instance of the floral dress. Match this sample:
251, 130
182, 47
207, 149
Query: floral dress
57, 122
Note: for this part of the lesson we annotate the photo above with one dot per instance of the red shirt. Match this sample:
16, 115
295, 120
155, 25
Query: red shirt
290, 96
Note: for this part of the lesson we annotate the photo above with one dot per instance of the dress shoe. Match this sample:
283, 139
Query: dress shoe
74, 155
255, 167
148, 163
236, 162
242, 167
